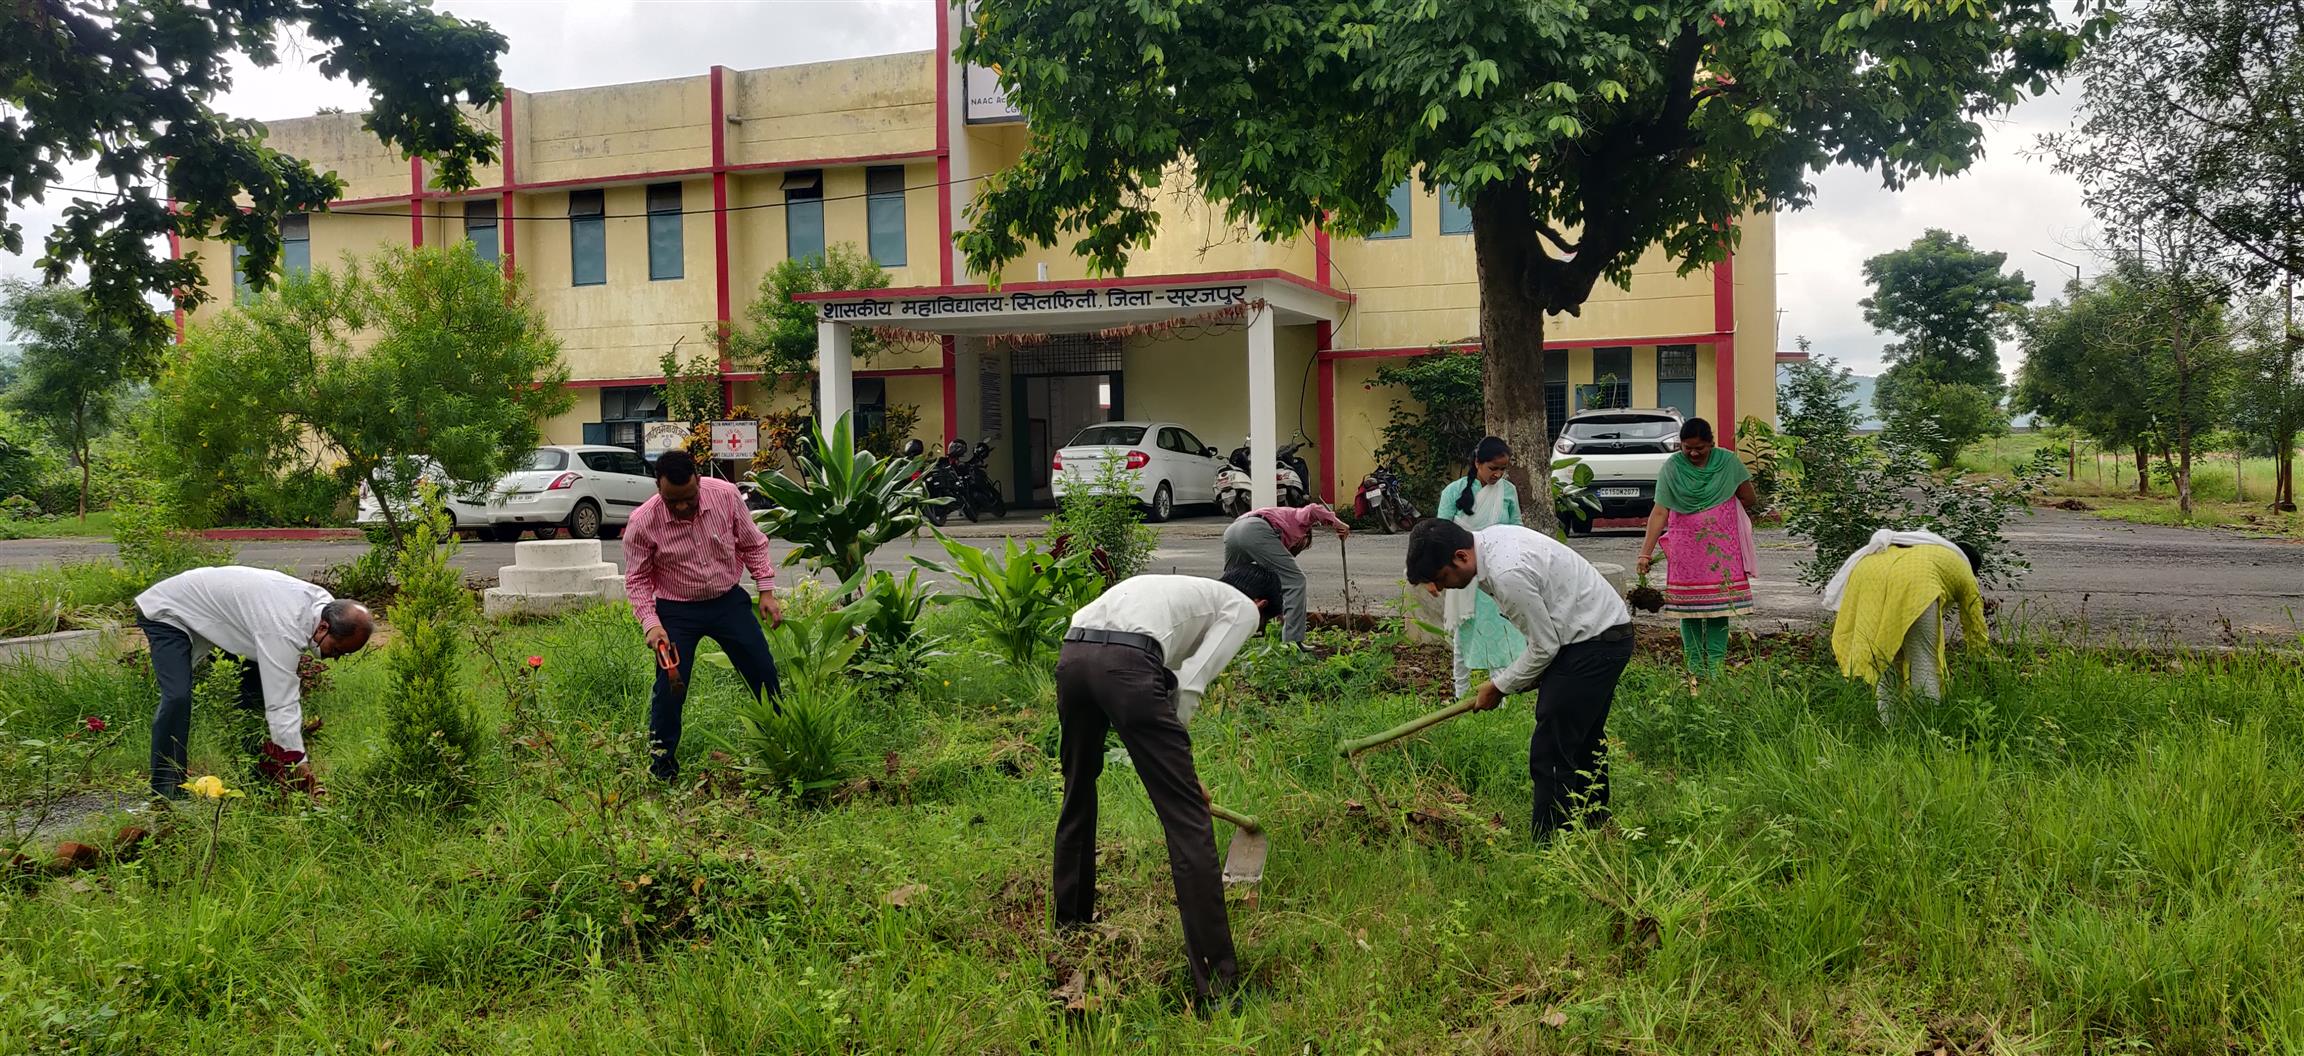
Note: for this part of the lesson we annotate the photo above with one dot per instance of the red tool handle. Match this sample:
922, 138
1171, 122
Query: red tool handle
668, 658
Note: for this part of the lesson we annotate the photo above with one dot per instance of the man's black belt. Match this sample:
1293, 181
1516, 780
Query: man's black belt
1620, 632
1130, 639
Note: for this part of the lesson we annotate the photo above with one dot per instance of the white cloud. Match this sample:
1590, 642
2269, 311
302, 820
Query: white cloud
2008, 202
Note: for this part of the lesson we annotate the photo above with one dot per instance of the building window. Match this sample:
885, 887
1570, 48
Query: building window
296, 244
884, 213
587, 238
480, 229
1676, 378
1555, 392
804, 214
239, 280
870, 396
1455, 216
1611, 381
625, 412
664, 246
1402, 201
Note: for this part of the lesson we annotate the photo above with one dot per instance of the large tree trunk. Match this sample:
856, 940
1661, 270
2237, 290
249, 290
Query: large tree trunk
2143, 468
2284, 438
1512, 350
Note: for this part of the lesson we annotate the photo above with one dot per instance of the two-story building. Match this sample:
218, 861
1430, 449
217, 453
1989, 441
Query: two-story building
646, 215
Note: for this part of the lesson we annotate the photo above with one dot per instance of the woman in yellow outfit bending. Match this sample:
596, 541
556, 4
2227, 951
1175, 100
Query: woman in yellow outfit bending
1891, 596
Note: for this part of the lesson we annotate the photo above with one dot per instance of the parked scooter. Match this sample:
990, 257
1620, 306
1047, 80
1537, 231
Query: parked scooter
1380, 494
1235, 488
976, 480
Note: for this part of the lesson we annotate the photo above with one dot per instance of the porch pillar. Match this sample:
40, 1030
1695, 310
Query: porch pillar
1263, 415
835, 374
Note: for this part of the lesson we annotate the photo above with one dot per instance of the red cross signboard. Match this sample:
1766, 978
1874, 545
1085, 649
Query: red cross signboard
735, 439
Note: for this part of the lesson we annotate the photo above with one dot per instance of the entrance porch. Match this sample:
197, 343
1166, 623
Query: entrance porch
1033, 362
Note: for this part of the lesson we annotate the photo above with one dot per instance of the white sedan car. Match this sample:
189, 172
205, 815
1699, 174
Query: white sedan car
1171, 466
1627, 450
590, 489
467, 507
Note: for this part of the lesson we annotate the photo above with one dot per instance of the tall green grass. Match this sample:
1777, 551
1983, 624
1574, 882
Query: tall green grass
2074, 853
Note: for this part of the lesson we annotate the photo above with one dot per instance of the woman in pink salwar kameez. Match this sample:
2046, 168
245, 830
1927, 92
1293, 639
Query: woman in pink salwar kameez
1704, 499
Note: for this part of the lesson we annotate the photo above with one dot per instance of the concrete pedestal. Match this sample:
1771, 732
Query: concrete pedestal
551, 576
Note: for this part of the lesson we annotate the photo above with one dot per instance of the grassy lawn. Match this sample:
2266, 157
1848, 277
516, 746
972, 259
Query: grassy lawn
2077, 853
2227, 493
98, 525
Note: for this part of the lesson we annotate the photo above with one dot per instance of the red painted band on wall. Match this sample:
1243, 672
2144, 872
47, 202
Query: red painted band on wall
415, 201
1724, 350
505, 224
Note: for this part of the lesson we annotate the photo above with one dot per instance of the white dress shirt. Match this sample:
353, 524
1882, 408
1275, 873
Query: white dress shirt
1550, 592
263, 617
1199, 623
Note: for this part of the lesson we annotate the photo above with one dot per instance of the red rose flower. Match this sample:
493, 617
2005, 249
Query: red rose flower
535, 662
94, 724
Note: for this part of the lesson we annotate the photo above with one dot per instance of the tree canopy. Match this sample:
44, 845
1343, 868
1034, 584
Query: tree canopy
2196, 109
1577, 135
777, 336
1948, 303
73, 368
128, 85
415, 354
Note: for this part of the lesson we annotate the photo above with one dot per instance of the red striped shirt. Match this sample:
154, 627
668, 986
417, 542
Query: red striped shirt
693, 560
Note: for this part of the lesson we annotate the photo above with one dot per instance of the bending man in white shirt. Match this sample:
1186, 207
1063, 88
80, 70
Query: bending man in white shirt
1579, 639
266, 620
1136, 661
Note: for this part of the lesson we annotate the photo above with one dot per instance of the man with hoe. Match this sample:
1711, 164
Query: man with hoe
685, 552
1136, 661
267, 621
1579, 639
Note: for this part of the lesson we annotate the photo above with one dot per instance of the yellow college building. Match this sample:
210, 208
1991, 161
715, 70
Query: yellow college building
644, 214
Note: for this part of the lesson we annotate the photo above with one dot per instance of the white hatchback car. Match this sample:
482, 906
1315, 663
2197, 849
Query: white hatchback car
1626, 450
590, 489
1173, 468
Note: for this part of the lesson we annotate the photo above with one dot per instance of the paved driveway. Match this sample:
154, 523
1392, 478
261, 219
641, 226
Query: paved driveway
2103, 579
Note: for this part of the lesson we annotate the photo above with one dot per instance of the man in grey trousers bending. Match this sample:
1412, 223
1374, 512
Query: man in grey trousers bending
266, 619
1270, 538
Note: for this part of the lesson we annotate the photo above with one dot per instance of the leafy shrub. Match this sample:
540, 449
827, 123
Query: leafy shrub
1021, 597
1430, 438
154, 544
368, 577
1104, 519
1758, 444
896, 649
843, 503
1845, 487
806, 739
1572, 499
432, 737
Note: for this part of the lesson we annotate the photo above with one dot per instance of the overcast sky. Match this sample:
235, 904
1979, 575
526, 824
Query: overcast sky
2007, 202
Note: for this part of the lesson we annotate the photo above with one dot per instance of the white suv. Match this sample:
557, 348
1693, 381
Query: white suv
1626, 450
590, 489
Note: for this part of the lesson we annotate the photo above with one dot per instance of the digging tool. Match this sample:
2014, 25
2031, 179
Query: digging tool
1244, 859
1350, 748
668, 658
1344, 557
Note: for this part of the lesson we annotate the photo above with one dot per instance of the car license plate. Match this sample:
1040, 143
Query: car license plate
529, 497
1619, 493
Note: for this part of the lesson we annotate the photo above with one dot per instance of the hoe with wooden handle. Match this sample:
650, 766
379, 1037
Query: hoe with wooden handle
1348, 749
1244, 860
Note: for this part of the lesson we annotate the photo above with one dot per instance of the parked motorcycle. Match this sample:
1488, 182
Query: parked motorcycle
941, 480
976, 480
1235, 488
1380, 494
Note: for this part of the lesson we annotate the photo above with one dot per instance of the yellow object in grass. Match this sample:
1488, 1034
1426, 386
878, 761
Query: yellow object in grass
209, 786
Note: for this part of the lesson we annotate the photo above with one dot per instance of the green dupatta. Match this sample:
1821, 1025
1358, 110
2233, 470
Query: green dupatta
1685, 487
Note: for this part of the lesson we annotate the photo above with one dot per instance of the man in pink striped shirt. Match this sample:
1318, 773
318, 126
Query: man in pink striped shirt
685, 553
1271, 538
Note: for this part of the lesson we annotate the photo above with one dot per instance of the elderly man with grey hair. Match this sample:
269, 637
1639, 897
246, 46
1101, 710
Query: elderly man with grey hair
267, 620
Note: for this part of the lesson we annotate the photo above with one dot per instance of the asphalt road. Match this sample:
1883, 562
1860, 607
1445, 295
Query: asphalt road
2100, 580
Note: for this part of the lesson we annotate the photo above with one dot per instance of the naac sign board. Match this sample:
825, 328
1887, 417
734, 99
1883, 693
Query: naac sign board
735, 439
982, 99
